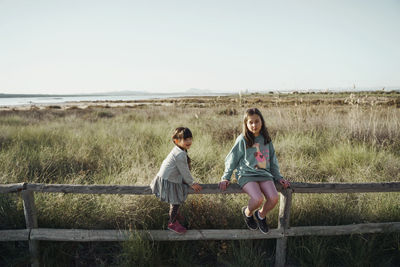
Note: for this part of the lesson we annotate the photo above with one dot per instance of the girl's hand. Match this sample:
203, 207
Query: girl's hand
223, 185
285, 183
196, 187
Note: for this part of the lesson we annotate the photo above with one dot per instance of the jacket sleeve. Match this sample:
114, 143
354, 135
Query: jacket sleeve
274, 166
183, 167
233, 158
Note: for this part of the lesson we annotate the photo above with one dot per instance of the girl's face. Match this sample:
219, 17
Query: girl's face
184, 143
254, 124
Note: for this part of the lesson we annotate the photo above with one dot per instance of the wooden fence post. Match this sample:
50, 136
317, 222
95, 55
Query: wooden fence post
283, 225
31, 222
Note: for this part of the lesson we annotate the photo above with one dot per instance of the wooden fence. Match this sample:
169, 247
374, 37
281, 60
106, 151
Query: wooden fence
33, 234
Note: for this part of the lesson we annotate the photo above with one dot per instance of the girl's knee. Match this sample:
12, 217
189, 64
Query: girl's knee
258, 199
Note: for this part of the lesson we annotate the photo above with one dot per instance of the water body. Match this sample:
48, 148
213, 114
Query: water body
39, 100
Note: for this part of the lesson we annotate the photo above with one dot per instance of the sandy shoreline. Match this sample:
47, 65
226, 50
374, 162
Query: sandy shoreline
112, 101
228, 101
90, 104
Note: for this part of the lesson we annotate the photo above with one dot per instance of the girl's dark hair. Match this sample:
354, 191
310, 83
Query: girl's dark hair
249, 136
182, 133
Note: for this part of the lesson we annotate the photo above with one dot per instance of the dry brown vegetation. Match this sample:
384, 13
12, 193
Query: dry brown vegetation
346, 137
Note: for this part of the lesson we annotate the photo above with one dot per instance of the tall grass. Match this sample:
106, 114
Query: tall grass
323, 143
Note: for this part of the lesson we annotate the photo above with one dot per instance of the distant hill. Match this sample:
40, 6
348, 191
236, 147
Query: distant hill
124, 93
196, 91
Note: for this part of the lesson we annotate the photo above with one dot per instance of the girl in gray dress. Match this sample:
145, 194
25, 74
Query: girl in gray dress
174, 178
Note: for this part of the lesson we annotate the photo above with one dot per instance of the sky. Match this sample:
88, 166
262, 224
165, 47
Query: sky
85, 46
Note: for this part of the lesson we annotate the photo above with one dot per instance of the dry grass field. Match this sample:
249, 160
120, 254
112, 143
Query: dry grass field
319, 137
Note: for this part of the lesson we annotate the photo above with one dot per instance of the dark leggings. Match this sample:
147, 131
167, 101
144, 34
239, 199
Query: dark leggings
173, 212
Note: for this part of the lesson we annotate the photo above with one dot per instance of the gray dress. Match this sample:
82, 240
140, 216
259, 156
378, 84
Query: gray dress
172, 181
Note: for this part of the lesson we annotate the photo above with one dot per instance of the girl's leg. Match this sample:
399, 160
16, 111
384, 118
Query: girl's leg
269, 190
173, 212
256, 197
173, 223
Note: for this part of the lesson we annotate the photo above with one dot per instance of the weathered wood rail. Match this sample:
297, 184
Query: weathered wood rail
33, 234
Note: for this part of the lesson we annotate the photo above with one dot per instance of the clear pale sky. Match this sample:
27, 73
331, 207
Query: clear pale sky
85, 46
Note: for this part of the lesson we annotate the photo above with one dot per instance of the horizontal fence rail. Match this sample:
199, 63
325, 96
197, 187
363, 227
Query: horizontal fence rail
33, 234
12, 188
84, 235
207, 188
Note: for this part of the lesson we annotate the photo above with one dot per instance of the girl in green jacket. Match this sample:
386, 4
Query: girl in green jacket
253, 156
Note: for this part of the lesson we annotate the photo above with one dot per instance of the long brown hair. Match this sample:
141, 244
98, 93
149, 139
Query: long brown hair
249, 136
181, 133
